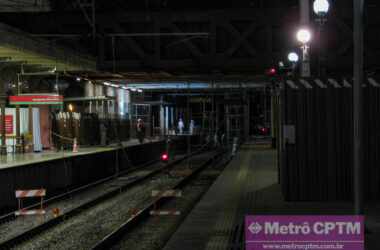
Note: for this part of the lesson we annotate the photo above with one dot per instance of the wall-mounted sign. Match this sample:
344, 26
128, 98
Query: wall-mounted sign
8, 124
304, 232
38, 99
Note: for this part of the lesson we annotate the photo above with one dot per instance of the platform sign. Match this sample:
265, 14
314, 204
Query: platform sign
8, 124
304, 232
38, 99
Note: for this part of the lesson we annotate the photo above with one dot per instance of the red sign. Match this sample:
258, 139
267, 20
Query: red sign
8, 124
42, 99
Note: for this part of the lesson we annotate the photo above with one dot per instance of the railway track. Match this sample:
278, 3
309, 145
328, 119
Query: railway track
144, 231
131, 190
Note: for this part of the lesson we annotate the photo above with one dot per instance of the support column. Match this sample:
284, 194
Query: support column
203, 114
18, 134
357, 106
3, 147
127, 104
90, 107
162, 120
212, 114
30, 111
172, 125
216, 116
246, 114
227, 118
167, 116
273, 127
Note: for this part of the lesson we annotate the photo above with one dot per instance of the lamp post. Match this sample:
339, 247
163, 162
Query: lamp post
321, 8
304, 37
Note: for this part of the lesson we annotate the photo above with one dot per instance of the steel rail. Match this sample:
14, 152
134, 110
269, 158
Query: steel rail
75, 211
108, 241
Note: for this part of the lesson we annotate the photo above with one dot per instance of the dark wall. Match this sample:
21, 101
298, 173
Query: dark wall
318, 166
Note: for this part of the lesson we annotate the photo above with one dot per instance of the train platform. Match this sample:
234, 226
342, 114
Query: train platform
16, 160
249, 186
58, 172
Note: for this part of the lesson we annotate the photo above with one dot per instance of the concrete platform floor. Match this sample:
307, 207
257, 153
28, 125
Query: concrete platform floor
16, 160
248, 186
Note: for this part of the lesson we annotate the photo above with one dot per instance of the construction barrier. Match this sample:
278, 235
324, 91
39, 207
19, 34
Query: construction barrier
167, 193
21, 194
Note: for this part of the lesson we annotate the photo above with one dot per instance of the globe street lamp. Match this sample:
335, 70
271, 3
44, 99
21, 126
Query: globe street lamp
321, 7
304, 37
293, 59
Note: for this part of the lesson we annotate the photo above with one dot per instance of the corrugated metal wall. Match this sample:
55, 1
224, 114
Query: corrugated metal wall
316, 154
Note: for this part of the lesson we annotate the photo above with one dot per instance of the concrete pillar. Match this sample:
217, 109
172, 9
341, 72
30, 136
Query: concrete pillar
203, 113
167, 114
127, 104
172, 117
246, 114
3, 148
358, 166
216, 116
274, 118
18, 135
272, 111
162, 119
30, 111
227, 118
90, 107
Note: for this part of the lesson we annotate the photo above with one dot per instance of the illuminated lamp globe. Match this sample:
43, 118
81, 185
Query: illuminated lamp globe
293, 57
321, 7
303, 36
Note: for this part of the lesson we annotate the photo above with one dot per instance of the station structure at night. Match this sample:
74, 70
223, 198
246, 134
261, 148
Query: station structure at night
163, 124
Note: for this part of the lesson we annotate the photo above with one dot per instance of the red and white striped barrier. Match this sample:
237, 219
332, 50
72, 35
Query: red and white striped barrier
30, 212
167, 193
165, 212
161, 194
30, 193
21, 194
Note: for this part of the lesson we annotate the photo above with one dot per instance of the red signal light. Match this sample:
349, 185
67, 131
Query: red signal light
264, 130
271, 72
164, 157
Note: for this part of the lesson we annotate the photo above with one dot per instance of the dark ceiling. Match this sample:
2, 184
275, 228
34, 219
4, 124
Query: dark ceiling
234, 37
156, 5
